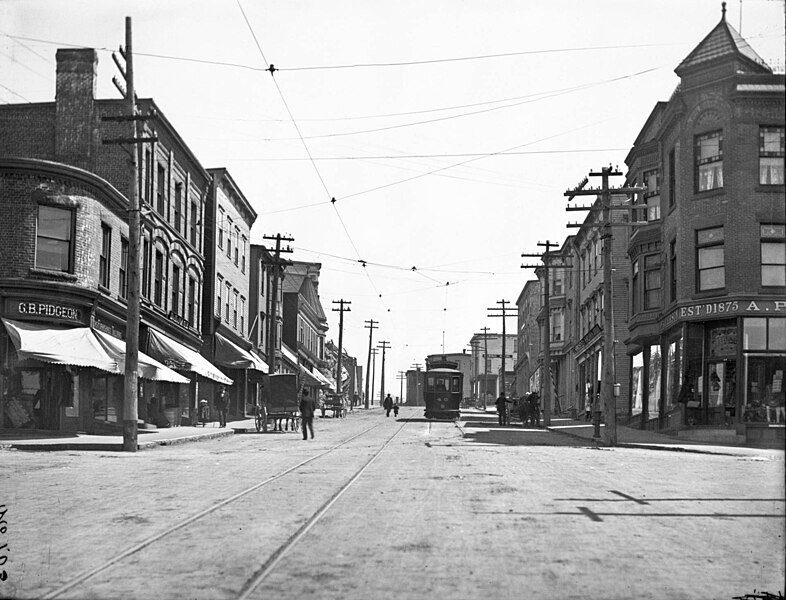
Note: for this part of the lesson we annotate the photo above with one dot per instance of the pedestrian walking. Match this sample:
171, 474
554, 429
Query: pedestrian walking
395, 408
388, 405
307, 409
587, 408
502, 409
221, 406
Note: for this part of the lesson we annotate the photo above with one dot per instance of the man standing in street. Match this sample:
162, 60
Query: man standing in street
502, 408
307, 408
388, 405
221, 406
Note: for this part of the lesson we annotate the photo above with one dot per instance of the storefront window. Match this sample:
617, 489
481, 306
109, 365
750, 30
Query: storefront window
764, 346
673, 372
654, 379
106, 392
637, 381
22, 400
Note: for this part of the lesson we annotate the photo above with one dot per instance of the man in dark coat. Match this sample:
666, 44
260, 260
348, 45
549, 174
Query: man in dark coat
388, 405
221, 407
307, 409
502, 409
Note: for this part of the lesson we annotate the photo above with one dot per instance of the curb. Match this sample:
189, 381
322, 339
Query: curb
642, 445
113, 446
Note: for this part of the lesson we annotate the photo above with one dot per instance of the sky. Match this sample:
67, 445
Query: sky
447, 131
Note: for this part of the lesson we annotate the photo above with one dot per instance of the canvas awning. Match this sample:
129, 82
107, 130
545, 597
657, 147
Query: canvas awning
324, 380
148, 367
165, 349
229, 354
76, 346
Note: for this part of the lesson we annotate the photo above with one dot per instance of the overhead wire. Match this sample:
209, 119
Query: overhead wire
475, 57
438, 155
272, 71
476, 112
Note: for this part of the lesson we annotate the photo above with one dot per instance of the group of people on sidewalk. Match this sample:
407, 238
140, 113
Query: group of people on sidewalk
528, 407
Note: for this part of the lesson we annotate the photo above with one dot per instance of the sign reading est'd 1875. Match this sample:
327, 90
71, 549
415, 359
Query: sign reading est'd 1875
732, 308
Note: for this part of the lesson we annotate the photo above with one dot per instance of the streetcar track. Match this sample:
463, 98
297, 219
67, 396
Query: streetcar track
82, 577
267, 567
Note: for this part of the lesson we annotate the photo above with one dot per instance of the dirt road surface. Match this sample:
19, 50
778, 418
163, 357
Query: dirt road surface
379, 507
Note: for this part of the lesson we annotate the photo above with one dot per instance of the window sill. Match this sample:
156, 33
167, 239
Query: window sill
39, 273
104, 290
777, 188
708, 193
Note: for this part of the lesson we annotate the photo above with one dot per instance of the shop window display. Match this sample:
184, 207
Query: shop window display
673, 372
764, 347
637, 378
654, 379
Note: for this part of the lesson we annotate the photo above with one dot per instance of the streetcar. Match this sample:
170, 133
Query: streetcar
443, 390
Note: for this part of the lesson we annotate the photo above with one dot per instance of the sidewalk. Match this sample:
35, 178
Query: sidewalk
52, 441
642, 438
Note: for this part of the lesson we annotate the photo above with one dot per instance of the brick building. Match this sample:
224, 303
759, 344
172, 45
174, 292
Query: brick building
528, 306
708, 270
63, 277
172, 187
225, 325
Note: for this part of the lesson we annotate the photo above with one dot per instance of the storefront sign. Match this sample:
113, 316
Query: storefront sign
178, 319
108, 328
728, 308
50, 311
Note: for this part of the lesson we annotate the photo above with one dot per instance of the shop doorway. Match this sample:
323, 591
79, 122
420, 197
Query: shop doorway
721, 392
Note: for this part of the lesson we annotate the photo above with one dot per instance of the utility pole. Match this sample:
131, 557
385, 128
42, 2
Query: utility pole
546, 384
402, 375
131, 374
502, 315
341, 310
373, 371
607, 383
474, 371
418, 383
370, 326
384, 346
485, 331
279, 265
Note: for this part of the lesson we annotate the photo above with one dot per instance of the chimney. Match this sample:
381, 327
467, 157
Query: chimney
76, 122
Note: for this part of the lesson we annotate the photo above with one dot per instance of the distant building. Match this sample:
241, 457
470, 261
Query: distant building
528, 305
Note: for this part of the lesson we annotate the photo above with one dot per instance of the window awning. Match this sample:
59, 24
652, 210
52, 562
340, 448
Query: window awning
289, 355
76, 346
229, 354
148, 367
324, 380
166, 350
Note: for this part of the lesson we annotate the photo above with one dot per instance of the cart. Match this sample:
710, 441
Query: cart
336, 404
279, 405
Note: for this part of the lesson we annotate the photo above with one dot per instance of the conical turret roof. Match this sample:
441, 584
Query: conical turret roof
723, 42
